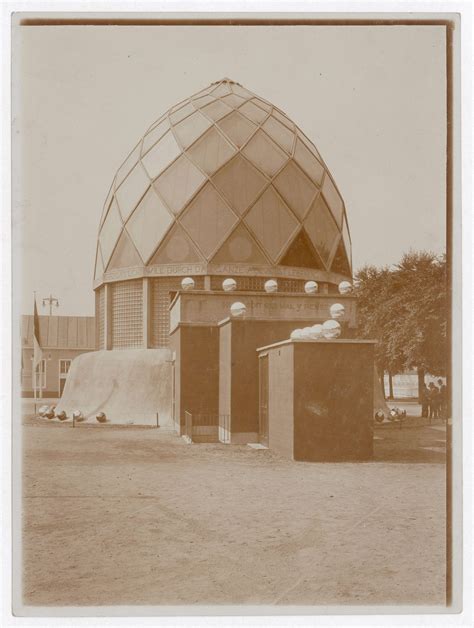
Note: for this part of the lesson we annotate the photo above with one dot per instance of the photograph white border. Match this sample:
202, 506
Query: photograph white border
462, 324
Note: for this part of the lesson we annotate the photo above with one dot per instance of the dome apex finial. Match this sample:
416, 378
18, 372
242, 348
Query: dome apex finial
226, 79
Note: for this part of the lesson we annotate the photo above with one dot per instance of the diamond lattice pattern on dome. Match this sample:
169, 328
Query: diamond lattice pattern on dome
223, 176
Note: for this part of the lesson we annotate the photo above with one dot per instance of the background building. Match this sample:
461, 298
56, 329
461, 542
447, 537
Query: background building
223, 184
63, 338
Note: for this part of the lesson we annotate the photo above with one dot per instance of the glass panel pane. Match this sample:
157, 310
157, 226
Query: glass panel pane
309, 145
280, 116
191, 128
321, 228
163, 117
110, 231
202, 92
240, 246
241, 91
264, 153
272, 223
148, 224
308, 162
280, 134
131, 190
125, 254
221, 90
340, 263
300, 253
347, 241
211, 151
237, 128
181, 113
233, 100
154, 135
203, 100
262, 104
128, 164
178, 183
296, 189
208, 220
176, 247
108, 200
253, 112
333, 198
240, 183
99, 266
161, 155
216, 110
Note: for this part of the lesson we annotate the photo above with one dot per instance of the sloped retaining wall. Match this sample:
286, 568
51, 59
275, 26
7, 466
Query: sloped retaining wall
131, 386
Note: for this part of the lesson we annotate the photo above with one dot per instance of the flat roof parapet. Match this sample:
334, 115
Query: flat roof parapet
341, 341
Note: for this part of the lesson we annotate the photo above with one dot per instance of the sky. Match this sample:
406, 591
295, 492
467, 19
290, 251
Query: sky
372, 99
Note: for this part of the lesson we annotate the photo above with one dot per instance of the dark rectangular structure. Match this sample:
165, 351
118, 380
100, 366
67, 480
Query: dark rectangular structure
195, 385
239, 339
316, 399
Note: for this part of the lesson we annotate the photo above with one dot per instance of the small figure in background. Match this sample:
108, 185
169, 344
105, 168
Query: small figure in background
443, 400
424, 400
433, 399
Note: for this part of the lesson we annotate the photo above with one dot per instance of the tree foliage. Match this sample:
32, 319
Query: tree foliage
405, 308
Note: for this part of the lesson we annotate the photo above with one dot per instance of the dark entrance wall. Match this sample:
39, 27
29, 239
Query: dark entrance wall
321, 399
196, 389
238, 364
333, 400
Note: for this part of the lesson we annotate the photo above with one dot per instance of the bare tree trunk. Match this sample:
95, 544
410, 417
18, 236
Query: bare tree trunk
390, 385
421, 381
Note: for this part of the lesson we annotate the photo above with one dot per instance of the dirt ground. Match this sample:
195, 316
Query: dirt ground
137, 517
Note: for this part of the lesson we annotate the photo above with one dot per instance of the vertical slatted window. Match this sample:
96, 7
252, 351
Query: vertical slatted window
100, 317
161, 294
127, 314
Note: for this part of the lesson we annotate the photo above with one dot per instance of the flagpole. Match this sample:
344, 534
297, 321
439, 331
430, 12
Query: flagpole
33, 365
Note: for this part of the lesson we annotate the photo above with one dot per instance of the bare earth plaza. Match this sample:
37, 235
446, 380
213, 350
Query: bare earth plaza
131, 516
228, 428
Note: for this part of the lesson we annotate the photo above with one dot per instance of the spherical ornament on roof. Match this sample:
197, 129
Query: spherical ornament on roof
223, 177
238, 309
296, 334
78, 416
345, 287
271, 285
331, 329
317, 331
337, 310
229, 284
311, 287
187, 283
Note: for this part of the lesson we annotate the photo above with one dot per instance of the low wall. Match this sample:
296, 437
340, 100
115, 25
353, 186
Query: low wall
130, 386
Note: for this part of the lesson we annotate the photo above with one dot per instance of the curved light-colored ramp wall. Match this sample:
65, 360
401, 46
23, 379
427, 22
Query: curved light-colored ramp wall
129, 385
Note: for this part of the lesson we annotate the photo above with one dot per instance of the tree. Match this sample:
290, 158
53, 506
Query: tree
405, 308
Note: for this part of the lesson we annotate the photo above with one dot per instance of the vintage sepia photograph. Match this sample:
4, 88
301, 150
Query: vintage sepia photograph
233, 372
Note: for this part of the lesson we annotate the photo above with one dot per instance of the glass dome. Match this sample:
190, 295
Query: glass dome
223, 177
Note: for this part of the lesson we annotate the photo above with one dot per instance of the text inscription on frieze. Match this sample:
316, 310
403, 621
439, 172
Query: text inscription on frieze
200, 308
248, 270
